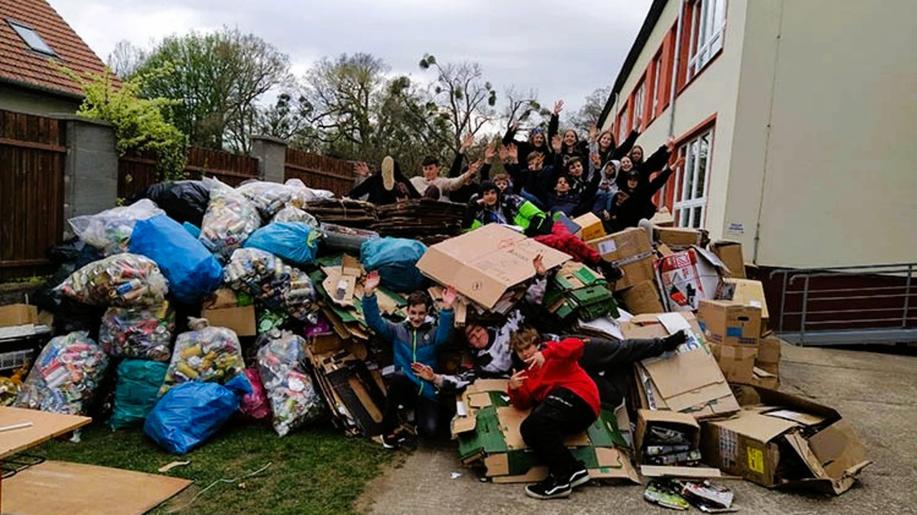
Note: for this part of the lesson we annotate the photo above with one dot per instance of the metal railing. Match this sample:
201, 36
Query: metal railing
847, 305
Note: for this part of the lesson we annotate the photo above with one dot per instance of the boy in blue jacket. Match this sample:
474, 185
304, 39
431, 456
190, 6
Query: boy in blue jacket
415, 343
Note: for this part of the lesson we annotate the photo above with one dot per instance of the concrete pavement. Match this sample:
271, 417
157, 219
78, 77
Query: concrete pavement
876, 392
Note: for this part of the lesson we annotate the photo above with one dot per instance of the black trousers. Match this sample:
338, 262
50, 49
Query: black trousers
610, 365
402, 394
562, 413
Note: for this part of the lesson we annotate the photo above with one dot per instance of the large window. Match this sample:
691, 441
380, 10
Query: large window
657, 81
691, 194
639, 97
708, 17
623, 130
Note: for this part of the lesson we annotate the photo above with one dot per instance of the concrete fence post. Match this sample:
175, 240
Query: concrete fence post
272, 157
91, 167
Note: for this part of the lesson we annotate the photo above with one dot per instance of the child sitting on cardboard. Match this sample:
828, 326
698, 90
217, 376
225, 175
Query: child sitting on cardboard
565, 402
415, 343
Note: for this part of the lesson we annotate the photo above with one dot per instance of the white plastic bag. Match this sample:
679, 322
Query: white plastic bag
110, 231
267, 197
229, 221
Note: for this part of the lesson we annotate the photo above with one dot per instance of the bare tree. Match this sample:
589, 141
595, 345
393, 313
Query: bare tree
463, 97
125, 59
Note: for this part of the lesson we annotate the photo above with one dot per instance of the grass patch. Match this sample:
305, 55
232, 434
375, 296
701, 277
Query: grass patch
315, 470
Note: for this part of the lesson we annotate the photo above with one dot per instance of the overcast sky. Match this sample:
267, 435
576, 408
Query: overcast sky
563, 49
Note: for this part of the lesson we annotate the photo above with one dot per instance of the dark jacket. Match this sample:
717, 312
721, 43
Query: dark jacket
638, 205
378, 195
526, 147
610, 364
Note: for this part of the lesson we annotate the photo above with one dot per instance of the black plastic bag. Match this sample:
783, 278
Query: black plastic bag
183, 201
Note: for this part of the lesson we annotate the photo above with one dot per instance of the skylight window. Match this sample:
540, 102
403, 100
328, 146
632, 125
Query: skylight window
32, 39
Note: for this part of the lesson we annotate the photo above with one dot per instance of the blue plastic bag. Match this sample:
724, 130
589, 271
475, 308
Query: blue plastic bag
396, 260
192, 229
192, 412
191, 269
295, 242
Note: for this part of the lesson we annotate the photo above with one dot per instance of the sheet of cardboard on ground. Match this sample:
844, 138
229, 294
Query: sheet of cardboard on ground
483, 264
54, 487
687, 277
686, 381
678, 238
45, 426
642, 298
487, 430
785, 441
745, 291
631, 251
590, 227
222, 310
730, 253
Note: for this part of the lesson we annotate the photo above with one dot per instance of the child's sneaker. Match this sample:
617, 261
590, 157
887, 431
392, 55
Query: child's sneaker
550, 488
392, 441
388, 173
579, 478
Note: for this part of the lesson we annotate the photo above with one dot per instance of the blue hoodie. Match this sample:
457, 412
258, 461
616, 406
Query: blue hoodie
409, 344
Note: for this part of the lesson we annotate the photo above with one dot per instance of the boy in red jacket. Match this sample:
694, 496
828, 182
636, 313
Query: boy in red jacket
565, 401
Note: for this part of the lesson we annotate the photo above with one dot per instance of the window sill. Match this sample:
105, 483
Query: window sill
701, 72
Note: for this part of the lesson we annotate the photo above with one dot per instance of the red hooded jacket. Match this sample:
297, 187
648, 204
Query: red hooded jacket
560, 370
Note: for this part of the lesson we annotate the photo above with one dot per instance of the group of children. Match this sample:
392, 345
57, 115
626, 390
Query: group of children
563, 379
546, 174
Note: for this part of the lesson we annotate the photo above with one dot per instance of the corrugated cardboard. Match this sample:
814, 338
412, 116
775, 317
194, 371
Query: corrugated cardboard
663, 218
222, 298
18, 314
730, 253
745, 291
736, 361
760, 444
686, 277
727, 322
689, 381
769, 355
483, 264
591, 227
642, 298
681, 421
631, 251
239, 319
678, 238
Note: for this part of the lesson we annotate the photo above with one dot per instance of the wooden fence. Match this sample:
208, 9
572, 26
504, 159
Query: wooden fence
137, 171
319, 172
32, 160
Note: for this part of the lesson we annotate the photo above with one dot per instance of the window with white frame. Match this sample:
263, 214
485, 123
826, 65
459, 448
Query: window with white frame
691, 195
638, 104
657, 95
622, 125
708, 17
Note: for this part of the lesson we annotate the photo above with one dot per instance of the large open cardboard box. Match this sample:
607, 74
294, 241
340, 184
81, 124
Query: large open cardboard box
487, 430
631, 251
483, 264
780, 440
745, 291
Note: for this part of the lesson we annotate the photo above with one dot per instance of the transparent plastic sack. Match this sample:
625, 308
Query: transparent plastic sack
204, 354
110, 231
294, 398
267, 197
121, 280
294, 214
268, 279
229, 220
143, 333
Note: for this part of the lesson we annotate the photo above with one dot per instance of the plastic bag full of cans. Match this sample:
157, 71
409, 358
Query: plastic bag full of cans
110, 231
294, 399
229, 220
65, 375
121, 280
268, 279
267, 197
294, 214
142, 333
205, 354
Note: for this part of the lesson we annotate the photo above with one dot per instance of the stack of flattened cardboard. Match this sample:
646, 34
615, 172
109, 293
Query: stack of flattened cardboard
631, 251
488, 265
352, 388
780, 440
487, 430
577, 292
687, 380
427, 220
354, 213
732, 331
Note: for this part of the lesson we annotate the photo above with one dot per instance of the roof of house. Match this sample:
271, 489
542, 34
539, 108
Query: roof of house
24, 66
648, 23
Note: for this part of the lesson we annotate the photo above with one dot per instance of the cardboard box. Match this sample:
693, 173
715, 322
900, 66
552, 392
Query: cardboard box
768, 358
487, 430
730, 253
18, 314
727, 322
631, 251
687, 277
483, 264
786, 441
764, 379
324, 343
688, 380
737, 362
590, 227
673, 420
642, 298
748, 292
678, 238
663, 218
239, 319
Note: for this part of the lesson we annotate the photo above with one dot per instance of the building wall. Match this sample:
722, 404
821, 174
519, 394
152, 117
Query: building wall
712, 92
15, 98
823, 152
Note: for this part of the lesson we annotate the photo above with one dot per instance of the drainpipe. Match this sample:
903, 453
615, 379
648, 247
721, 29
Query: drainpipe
676, 63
